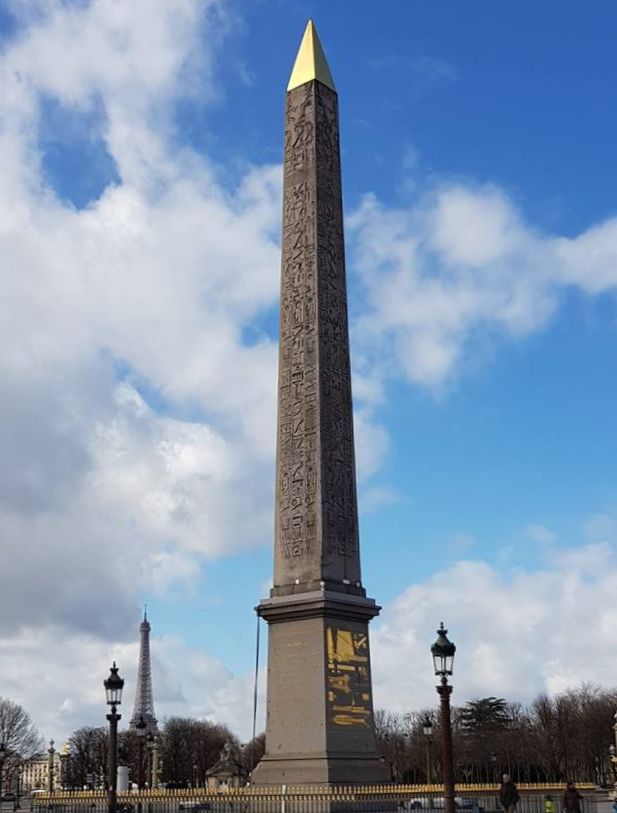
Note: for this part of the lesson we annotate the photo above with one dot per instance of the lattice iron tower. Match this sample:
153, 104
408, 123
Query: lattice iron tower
144, 700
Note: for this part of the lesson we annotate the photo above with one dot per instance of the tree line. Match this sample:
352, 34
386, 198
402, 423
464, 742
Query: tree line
187, 749
553, 739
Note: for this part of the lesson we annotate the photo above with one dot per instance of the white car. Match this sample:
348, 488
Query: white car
438, 803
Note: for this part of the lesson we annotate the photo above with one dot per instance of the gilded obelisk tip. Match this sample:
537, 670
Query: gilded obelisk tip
310, 62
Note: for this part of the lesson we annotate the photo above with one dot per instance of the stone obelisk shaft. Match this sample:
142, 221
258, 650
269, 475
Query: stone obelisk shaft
319, 725
316, 536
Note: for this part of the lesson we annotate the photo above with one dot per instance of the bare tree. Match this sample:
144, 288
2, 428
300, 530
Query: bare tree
190, 747
252, 752
87, 763
19, 736
555, 738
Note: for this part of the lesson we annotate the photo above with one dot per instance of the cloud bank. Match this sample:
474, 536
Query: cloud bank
461, 268
518, 632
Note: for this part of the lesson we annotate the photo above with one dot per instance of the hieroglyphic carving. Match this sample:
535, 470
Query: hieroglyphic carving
297, 461
316, 521
339, 504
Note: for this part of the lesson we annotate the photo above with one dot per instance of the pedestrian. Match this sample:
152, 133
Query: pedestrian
508, 794
571, 799
549, 805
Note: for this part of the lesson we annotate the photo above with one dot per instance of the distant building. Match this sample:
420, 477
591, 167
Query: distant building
35, 773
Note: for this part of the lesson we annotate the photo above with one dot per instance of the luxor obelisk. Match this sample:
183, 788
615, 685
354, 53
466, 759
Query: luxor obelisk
319, 726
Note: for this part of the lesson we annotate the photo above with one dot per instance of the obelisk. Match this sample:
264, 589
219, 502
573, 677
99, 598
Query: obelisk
319, 726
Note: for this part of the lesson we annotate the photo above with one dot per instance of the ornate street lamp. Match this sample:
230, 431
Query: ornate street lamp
443, 659
51, 752
141, 730
427, 730
113, 691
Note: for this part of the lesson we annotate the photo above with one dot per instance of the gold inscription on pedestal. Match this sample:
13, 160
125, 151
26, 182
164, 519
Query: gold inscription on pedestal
349, 689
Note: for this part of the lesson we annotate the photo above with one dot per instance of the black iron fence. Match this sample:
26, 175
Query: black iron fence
312, 799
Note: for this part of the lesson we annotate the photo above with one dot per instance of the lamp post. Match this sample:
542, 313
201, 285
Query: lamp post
427, 730
392, 753
614, 748
20, 785
443, 658
140, 730
51, 752
155, 762
113, 691
149, 745
2, 758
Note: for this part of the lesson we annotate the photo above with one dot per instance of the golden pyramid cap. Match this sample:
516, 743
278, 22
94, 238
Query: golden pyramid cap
310, 62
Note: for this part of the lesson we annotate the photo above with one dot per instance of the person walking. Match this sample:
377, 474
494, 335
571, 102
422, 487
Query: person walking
572, 799
549, 804
508, 794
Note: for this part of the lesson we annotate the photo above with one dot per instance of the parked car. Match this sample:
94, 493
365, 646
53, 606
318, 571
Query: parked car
8, 797
439, 803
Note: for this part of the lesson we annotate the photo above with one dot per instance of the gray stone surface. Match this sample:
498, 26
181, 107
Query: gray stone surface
316, 509
319, 725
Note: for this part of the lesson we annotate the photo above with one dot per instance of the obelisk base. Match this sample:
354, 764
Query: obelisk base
319, 769
320, 711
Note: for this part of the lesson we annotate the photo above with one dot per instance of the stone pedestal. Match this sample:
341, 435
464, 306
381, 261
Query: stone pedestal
320, 710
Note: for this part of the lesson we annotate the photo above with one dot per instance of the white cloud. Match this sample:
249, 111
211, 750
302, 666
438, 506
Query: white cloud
518, 632
156, 278
458, 269
375, 497
472, 230
187, 681
538, 532
371, 442
137, 424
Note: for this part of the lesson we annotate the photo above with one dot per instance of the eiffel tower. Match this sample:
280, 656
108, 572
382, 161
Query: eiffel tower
144, 701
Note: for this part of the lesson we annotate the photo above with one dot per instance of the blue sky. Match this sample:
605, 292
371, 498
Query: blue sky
519, 97
141, 207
